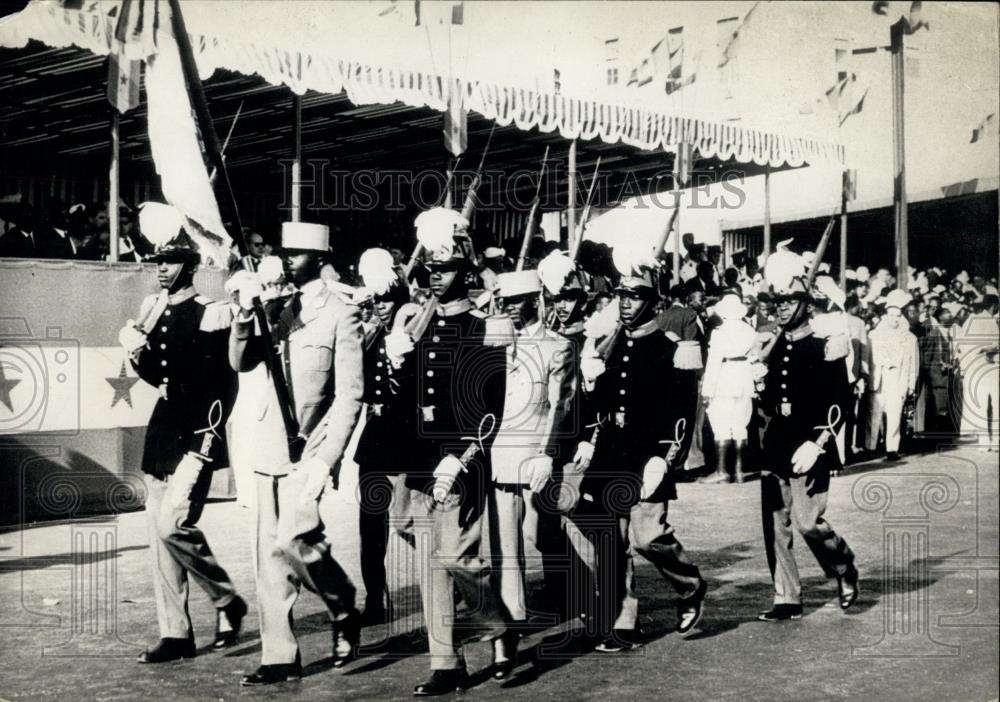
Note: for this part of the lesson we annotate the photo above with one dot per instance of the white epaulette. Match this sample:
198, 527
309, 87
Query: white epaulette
218, 314
147, 305
478, 314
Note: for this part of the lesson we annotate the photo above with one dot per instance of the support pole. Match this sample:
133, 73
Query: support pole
449, 172
843, 231
113, 196
767, 211
899, 205
296, 193
571, 242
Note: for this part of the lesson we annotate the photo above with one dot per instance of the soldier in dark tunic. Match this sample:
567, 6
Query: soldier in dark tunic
179, 347
641, 409
385, 448
805, 396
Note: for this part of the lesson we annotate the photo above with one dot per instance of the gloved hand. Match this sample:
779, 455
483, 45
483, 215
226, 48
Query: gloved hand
652, 476
569, 488
131, 338
540, 472
317, 473
805, 457
271, 270
584, 454
245, 287
591, 367
182, 481
397, 345
444, 477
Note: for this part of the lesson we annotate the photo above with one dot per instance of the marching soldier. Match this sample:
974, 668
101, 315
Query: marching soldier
805, 396
641, 415
319, 335
179, 347
541, 382
460, 389
386, 445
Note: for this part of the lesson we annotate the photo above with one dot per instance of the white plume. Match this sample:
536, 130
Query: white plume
634, 254
554, 269
436, 227
782, 267
828, 287
377, 270
271, 270
159, 223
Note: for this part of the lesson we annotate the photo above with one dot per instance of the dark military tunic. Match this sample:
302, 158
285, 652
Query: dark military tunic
803, 394
460, 385
637, 402
387, 443
186, 359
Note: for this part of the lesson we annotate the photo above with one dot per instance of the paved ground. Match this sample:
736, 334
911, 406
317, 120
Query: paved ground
76, 606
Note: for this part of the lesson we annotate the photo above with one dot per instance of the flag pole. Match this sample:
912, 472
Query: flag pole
843, 230
114, 224
899, 204
296, 194
571, 242
227, 203
767, 211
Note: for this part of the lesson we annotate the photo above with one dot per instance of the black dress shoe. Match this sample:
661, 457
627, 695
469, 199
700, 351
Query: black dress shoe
689, 610
891, 457
374, 615
346, 636
847, 589
505, 655
275, 673
235, 611
781, 613
169, 650
443, 682
620, 640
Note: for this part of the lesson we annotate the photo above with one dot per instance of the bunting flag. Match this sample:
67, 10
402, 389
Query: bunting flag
682, 164
675, 54
556, 81
644, 73
611, 50
174, 139
730, 32
124, 74
458, 13
850, 183
985, 129
633, 77
844, 99
456, 125
893, 11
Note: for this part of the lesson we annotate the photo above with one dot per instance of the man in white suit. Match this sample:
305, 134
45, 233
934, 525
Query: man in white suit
895, 362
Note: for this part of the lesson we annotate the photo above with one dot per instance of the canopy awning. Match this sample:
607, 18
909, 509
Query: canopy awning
367, 84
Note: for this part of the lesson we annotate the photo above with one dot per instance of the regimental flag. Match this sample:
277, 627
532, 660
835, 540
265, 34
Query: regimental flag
675, 54
911, 16
985, 129
174, 138
124, 74
456, 126
730, 31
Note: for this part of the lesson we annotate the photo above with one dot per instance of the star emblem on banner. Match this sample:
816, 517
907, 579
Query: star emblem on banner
6, 385
122, 386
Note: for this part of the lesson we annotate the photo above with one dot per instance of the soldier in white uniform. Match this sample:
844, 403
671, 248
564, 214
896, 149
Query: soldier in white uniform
541, 382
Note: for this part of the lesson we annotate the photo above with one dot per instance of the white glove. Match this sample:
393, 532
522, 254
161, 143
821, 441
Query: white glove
805, 457
584, 454
131, 338
540, 472
652, 476
183, 480
271, 270
444, 477
397, 345
246, 287
569, 489
591, 367
317, 473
